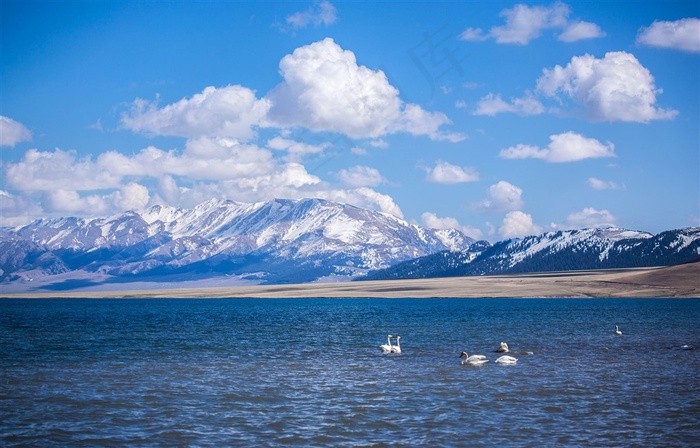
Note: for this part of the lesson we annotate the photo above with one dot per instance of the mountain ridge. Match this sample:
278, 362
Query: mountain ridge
300, 241
275, 241
567, 250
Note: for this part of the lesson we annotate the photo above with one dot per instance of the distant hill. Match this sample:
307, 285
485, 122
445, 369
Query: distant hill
599, 248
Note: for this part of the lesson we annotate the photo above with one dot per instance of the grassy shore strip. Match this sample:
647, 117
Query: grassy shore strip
682, 281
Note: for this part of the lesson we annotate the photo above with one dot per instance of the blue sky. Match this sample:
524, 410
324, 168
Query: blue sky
502, 119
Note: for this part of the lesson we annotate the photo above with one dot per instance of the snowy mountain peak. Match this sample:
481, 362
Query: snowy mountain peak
162, 213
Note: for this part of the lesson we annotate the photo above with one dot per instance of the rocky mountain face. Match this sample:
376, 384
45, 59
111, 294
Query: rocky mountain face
272, 242
599, 248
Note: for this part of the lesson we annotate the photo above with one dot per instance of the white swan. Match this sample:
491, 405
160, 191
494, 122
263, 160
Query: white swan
617, 331
386, 348
503, 348
505, 359
396, 348
473, 360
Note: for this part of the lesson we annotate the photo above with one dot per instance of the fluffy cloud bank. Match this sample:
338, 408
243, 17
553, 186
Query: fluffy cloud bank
566, 147
13, 132
525, 23
61, 182
614, 88
683, 34
231, 111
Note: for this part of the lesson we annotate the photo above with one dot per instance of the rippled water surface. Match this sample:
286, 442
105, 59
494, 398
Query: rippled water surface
309, 372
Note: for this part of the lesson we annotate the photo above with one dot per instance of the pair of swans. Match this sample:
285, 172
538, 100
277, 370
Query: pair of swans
480, 360
388, 348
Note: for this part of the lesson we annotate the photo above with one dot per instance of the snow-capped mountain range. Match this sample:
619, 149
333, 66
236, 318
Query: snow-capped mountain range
596, 248
275, 241
297, 241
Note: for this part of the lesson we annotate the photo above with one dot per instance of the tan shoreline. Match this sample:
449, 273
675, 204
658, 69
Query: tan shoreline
682, 281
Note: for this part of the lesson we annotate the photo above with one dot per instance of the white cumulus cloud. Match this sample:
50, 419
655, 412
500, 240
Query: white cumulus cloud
17, 209
131, 196
524, 23
13, 132
614, 88
58, 170
579, 31
232, 111
446, 173
62, 201
683, 34
566, 147
518, 224
501, 197
324, 89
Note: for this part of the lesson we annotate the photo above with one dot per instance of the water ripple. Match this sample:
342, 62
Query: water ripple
310, 373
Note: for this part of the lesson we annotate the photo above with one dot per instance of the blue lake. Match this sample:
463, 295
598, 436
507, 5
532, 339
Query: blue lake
309, 372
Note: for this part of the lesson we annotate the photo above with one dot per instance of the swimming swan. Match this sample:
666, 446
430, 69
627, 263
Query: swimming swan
473, 360
506, 360
617, 331
396, 348
386, 348
503, 348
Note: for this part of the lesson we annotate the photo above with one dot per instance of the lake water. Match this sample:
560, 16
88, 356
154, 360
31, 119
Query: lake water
309, 372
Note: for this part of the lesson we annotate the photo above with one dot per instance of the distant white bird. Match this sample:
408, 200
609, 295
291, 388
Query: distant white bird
617, 331
397, 348
473, 360
506, 360
503, 348
386, 348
